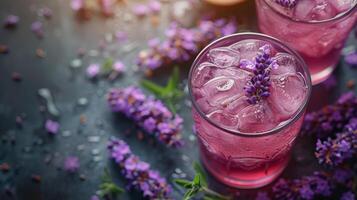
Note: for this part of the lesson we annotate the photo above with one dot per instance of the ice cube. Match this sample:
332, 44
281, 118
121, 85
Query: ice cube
314, 10
224, 57
203, 73
256, 118
285, 64
233, 72
235, 104
224, 119
204, 106
219, 89
287, 94
247, 49
342, 5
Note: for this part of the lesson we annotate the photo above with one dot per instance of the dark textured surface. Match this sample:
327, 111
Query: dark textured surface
63, 36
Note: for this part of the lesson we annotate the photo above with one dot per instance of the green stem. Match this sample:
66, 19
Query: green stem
213, 193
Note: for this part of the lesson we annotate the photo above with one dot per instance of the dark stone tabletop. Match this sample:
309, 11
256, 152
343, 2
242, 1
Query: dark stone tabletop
86, 127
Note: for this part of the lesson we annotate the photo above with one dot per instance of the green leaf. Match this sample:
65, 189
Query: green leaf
153, 87
190, 193
197, 180
173, 82
199, 170
107, 65
183, 183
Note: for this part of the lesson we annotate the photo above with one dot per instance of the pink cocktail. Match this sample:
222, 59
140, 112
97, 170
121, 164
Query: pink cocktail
246, 137
317, 29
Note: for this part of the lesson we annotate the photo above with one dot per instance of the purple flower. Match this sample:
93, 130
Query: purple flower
93, 70
149, 114
182, 44
351, 58
77, 5
332, 118
308, 187
330, 83
287, 3
342, 176
262, 196
257, 87
71, 164
154, 6
52, 126
45, 12
37, 28
348, 196
107, 7
11, 21
118, 67
94, 197
140, 10
121, 36
138, 173
338, 150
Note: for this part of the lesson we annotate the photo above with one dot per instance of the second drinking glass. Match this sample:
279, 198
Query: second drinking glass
317, 29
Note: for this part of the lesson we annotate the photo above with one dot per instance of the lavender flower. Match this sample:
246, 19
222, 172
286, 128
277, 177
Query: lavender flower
148, 113
137, 172
37, 29
331, 119
94, 197
11, 21
77, 5
107, 7
140, 10
119, 67
262, 196
121, 36
257, 87
71, 164
308, 187
45, 12
52, 126
154, 6
351, 58
183, 43
348, 196
343, 147
93, 70
287, 3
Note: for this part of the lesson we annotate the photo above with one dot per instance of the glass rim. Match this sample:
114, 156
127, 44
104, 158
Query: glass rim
252, 35
335, 18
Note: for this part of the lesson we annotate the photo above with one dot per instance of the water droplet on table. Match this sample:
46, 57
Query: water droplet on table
51, 107
76, 63
82, 101
93, 139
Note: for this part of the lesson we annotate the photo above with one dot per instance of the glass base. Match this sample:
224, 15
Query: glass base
321, 76
245, 184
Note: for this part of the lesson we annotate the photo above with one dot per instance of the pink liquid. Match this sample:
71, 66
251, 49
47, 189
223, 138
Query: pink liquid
319, 43
217, 88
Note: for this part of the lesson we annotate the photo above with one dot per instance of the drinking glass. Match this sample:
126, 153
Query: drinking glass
246, 159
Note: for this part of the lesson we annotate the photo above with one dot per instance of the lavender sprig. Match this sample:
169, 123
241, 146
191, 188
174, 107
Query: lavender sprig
331, 119
287, 3
257, 87
308, 187
183, 44
149, 113
137, 172
336, 151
